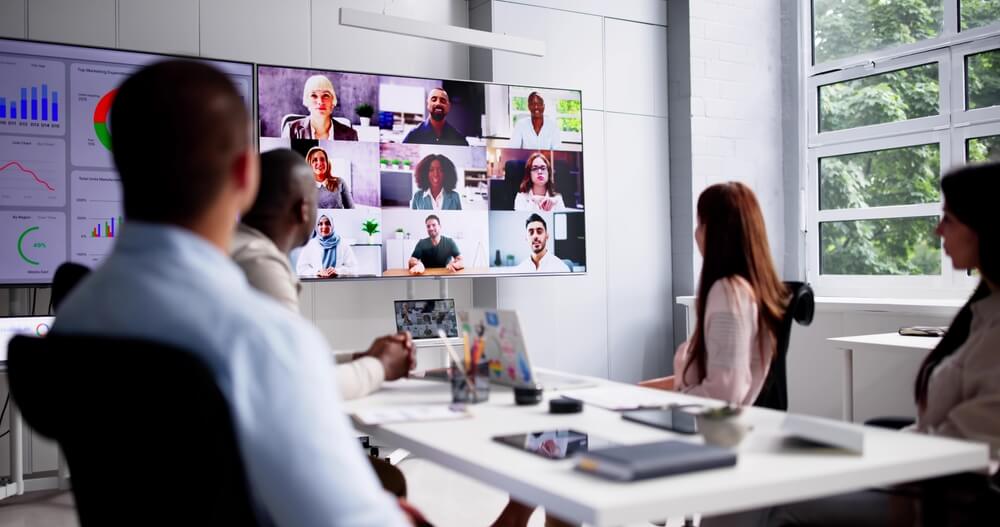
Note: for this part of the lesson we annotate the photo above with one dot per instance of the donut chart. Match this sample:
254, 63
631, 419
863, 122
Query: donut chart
101, 118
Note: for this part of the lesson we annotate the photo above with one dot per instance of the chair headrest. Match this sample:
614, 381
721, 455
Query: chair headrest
802, 304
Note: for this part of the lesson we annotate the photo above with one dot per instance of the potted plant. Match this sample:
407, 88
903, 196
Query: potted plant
365, 112
370, 226
386, 163
397, 163
407, 164
722, 426
400, 233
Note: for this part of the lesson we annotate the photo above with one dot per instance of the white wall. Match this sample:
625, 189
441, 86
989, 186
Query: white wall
617, 54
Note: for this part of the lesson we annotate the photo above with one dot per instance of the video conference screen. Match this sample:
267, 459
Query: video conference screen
60, 196
427, 177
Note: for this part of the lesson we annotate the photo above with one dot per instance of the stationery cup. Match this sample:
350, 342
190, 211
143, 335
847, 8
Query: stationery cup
474, 387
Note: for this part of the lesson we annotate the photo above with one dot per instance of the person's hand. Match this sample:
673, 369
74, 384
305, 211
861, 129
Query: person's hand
547, 204
329, 272
418, 268
396, 353
453, 266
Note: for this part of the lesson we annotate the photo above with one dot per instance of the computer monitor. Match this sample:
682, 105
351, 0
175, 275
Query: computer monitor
485, 171
11, 326
60, 196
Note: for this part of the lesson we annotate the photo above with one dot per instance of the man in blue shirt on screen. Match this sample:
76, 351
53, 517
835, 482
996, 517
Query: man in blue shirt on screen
169, 279
435, 130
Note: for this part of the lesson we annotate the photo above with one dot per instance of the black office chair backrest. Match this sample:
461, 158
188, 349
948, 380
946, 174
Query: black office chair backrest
147, 434
800, 309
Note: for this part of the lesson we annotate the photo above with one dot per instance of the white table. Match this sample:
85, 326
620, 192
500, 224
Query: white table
766, 474
875, 343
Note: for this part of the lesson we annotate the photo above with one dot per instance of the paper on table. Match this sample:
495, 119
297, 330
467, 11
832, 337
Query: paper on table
622, 398
407, 414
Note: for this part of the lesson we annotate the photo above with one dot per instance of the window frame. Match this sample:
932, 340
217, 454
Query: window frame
949, 129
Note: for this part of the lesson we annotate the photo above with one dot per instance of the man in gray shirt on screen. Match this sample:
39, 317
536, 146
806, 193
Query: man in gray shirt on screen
169, 279
280, 219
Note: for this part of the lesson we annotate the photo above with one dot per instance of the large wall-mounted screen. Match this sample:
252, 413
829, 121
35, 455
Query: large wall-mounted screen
427, 177
60, 196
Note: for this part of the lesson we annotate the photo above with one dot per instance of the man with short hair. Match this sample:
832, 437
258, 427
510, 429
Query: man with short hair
435, 130
541, 259
169, 280
280, 220
435, 251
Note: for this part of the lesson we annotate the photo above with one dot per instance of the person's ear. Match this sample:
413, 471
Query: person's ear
303, 212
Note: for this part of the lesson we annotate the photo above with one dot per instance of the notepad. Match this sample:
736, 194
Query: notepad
650, 460
408, 414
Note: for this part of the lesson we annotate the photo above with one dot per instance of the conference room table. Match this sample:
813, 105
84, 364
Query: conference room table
770, 469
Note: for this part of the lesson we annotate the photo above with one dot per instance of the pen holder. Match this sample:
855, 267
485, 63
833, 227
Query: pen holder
474, 387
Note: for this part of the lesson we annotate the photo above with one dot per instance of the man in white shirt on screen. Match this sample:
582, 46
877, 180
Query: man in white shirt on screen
541, 259
535, 131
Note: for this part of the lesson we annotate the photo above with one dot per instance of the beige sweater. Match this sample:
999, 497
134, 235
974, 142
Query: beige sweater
269, 271
737, 363
963, 395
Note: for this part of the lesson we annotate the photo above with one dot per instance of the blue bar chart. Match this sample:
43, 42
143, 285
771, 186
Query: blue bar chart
32, 96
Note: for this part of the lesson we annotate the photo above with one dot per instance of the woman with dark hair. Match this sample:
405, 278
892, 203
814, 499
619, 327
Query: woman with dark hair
436, 177
325, 255
538, 188
331, 190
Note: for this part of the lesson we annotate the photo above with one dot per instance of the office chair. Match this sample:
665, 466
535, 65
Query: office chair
801, 308
120, 408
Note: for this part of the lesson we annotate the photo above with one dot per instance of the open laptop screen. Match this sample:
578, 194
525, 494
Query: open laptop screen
423, 318
11, 326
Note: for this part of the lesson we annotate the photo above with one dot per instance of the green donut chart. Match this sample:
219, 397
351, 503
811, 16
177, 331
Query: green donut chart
20, 242
101, 118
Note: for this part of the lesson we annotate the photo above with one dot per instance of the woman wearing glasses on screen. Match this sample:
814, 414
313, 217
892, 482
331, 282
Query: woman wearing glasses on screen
320, 98
331, 190
436, 178
538, 188
326, 255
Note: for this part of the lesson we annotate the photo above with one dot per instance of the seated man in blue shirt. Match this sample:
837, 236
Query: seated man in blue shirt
435, 130
169, 279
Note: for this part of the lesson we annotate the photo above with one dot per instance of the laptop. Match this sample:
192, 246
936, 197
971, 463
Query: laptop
423, 319
11, 326
499, 331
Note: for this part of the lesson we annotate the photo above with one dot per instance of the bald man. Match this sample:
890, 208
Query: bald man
280, 219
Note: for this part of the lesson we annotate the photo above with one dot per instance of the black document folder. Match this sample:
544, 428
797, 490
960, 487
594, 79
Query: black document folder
650, 460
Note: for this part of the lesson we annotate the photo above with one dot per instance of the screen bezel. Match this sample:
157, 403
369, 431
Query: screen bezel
252, 109
460, 274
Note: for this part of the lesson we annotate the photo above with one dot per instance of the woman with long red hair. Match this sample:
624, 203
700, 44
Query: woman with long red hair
740, 301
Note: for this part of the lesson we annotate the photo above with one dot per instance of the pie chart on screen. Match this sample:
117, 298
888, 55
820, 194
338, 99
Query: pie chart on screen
101, 118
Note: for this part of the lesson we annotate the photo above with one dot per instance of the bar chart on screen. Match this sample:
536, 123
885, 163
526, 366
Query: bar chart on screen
31, 96
32, 171
96, 215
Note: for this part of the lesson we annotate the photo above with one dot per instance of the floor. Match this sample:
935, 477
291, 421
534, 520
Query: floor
447, 498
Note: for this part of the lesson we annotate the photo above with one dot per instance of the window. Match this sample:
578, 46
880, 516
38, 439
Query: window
898, 93
888, 97
842, 28
979, 13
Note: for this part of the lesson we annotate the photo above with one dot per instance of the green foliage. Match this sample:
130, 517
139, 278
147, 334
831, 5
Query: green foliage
983, 83
982, 149
850, 27
370, 226
978, 13
897, 176
884, 98
570, 124
364, 110
569, 106
519, 103
896, 246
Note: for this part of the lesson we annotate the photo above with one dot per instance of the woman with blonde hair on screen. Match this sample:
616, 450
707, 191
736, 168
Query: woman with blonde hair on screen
320, 98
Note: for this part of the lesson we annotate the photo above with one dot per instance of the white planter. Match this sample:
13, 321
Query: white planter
365, 121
